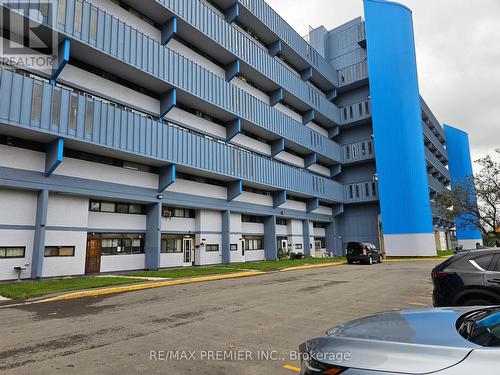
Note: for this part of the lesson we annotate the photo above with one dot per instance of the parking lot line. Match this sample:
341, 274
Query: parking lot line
292, 368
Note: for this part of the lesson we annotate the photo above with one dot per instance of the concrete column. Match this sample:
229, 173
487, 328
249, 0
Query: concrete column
40, 229
226, 236
270, 249
153, 236
308, 250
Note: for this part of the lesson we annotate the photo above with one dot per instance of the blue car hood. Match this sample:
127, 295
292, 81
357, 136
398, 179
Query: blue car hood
412, 341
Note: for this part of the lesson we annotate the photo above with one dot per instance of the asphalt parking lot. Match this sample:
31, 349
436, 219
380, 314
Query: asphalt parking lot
239, 326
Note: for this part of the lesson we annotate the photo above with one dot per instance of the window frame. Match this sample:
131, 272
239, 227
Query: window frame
58, 251
12, 247
215, 245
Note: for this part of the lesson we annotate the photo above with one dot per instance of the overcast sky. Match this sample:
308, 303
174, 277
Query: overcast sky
458, 52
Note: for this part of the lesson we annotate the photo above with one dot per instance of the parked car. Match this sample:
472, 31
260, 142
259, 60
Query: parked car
363, 252
443, 341
468, 278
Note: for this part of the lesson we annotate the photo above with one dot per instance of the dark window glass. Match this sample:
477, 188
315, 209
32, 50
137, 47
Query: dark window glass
281, 221
95, 206
212, 247
128, 244
108, 207
483, 261
234, 247
135, 209
122, 208
59, 251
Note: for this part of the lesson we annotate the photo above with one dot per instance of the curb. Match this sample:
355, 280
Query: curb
191, 280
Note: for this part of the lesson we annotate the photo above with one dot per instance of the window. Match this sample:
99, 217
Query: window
36, 106
348, 152
12, 252
298, 246
357, 191
234, 247
73, 111
108, 207
59, 251
78, 16
171, 244
93, 23
254, 243
61, 13
367, 190
350, 192
317, 224
483, 261
322, 243
212, 247
178, 212
56, 108
89, 117
129, 244
281, 221
374, 188
119, 208
252, 219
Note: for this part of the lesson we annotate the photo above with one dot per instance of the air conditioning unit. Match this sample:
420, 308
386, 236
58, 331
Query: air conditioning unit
167, 213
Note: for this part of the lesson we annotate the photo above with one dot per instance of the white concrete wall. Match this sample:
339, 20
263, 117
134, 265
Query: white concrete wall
178, 224
64, 266
209, 228
196, 122
287, 111
113, 221
290, 159
252, 144
254, 255
73, 76
320, 170
67, 211
16, 238
107, 173
318, 232
111, 263
171, 260
317, 128
254, 198
235, 225
195, 188
281, 230
18, 207
294, 205
14, 157
252, 228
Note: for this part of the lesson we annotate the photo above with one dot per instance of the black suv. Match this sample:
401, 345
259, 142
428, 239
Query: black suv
363, 252
468, 278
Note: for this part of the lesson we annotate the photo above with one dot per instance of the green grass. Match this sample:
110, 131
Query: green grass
233, 267
445, 253
27, 289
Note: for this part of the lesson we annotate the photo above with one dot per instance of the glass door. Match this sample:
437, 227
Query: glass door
187, 246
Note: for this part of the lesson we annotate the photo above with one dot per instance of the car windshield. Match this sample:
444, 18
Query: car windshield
482, 327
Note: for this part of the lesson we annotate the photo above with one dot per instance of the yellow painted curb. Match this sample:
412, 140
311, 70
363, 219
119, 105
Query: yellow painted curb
293, 368
309, 266
134, 287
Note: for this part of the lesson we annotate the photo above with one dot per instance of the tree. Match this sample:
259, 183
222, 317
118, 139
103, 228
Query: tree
483, 214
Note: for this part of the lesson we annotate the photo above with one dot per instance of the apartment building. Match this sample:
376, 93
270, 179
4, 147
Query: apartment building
177, 133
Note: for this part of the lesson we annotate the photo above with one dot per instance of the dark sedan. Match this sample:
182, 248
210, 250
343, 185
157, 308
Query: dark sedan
468, 278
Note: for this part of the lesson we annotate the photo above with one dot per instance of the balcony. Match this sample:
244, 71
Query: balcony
270, 27
354, 75
435, 186
355, 113
113, 46
361, 39
46, 112
431, 120
436, 168
357, 152
361, 192
204, 28
434, 144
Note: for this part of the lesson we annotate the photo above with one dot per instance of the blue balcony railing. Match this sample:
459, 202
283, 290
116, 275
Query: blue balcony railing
37, 105
212, 25
87, 24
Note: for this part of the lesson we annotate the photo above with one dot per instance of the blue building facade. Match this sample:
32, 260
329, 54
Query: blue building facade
179, 133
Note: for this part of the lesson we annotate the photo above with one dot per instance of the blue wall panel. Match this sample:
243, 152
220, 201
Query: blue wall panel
112, 126
397, 125
460, 166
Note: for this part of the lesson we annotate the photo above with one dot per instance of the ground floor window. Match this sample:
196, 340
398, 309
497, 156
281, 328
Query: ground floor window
59, 251
172, 243
12, 252
254, 243
212, 247
121, 244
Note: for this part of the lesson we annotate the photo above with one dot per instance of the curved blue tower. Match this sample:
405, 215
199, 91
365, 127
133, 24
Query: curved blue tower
397, 126
460, 166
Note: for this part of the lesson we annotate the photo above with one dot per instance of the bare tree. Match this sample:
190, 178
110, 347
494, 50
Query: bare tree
460, 201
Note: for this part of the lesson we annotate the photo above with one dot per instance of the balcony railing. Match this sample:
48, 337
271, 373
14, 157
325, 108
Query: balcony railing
212, 25
361, 37
366, 191
26, 103
357, 152
356, 112
439, 170
353, 73
113, 38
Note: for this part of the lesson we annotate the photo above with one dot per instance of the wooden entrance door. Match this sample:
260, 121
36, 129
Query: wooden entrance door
93, 260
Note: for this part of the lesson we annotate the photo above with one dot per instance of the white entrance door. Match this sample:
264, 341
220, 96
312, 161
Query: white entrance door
284, 245
187, 247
